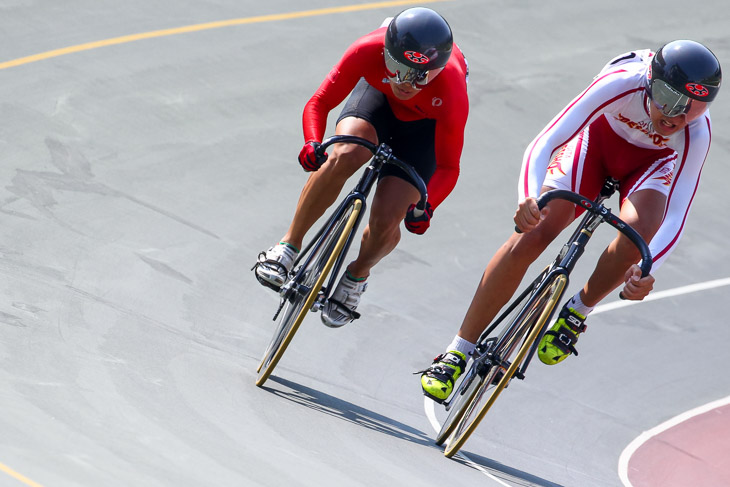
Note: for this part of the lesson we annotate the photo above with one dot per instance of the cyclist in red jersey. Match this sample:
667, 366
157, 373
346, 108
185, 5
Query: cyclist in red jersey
407, 87
644, 121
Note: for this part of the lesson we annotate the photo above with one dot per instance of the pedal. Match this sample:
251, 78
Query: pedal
261, 260
318, 303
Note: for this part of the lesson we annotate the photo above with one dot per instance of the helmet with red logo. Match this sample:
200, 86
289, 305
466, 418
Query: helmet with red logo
685, 78
417, 40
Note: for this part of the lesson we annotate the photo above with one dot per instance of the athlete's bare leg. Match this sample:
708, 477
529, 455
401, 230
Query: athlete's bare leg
508, 266
644, 211
390, 204
323, 186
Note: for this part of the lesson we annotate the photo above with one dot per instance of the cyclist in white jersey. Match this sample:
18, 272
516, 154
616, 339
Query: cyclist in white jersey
644, 121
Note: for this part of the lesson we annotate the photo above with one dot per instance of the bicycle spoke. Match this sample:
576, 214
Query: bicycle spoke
305, 289
510, 350
463, 395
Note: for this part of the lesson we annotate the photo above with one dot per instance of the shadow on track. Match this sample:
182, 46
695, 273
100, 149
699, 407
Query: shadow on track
366, 418
507, 474
347, 411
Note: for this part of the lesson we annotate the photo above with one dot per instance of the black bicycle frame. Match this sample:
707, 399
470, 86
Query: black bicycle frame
596, 214
382, 154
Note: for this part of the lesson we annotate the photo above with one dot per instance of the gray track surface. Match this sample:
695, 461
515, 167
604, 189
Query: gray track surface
139, 182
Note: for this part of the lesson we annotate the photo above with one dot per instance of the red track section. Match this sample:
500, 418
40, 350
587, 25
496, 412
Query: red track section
694, 453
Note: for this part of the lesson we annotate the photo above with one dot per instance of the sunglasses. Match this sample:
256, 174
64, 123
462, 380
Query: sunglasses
401, 73
672, 103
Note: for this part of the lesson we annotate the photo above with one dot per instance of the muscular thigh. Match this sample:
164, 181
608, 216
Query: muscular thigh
360, 116
578, 166
415, 143
370, 105
392, 198
412, 142
644, 211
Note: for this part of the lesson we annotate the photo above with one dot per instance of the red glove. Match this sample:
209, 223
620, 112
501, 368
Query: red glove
310, 157
418, 224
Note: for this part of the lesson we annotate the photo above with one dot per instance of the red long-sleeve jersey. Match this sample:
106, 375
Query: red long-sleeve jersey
444, 100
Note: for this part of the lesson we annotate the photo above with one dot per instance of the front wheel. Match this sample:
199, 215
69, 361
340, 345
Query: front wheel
310, 279
507, 357
471, 384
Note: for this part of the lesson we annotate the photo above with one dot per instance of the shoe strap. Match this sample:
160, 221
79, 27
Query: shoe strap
441, 373
438, 367
275, 265
263, 262
451, 358
344, 309
572, 321
564, 339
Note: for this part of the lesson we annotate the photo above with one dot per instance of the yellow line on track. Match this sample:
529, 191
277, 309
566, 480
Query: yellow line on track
17, 476
206, 26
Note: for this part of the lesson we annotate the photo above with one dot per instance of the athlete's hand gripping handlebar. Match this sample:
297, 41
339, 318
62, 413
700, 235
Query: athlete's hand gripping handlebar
606, 216
382, 154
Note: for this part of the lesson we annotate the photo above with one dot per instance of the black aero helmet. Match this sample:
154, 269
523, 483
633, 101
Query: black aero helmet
417, 40
682, 71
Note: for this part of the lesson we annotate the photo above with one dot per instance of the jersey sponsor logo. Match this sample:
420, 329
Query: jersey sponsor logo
643, 127
416, 57
555, 166
666, 179
697, 89
556, 162
436, 102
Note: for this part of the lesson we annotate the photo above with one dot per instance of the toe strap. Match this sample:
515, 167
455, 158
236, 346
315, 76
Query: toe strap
440, 373
565, 339
344, 309
439, 369
272, 265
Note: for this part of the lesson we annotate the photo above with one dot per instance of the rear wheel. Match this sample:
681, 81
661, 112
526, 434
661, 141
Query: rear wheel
508, 358
304, 292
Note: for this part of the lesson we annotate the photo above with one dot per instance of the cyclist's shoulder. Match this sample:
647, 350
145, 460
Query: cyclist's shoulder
373, 40
626, 73
365, 51
628, 64
700, 130
453, 79
459, 63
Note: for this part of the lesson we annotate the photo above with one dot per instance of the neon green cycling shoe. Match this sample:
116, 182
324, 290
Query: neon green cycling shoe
438, 380
559, 341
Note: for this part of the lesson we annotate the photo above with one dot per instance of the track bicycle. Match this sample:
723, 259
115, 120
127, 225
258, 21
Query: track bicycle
508, 344
324, 254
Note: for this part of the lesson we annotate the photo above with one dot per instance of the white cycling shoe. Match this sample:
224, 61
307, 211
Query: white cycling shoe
274, 265
340, 308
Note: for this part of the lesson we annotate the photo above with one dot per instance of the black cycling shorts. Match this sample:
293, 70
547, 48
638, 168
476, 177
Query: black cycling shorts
412, 142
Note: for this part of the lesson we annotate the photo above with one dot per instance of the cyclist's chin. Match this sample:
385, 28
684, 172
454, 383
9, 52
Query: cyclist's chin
403, 91
669, 126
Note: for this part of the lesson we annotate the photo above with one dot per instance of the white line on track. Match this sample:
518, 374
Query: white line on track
623, 461
692, 288
429, 407
430, 410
